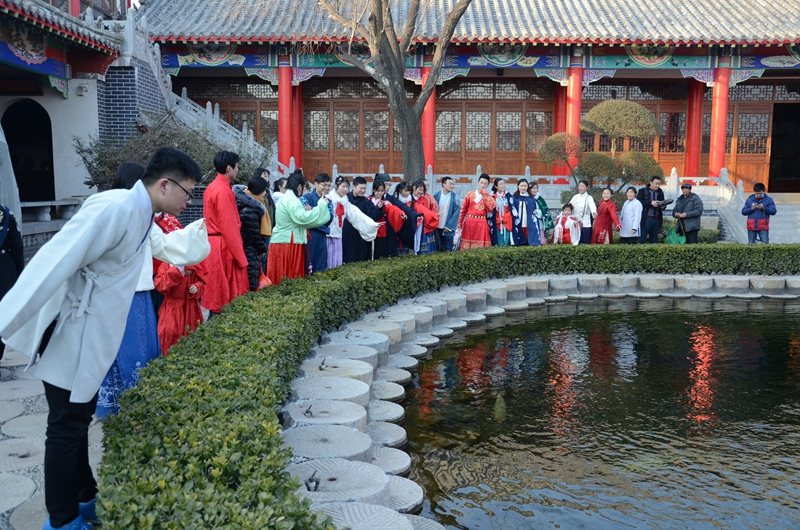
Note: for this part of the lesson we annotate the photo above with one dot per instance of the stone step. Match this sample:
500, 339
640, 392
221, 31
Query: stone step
406, 321
441, 332
378, 341
405, 496
474, 318
387, 391
312, 442
330, 387
406, 362
338, 367
456, 302
392, 461
324, 412
456, 323
495, 311
423, 315
425, 340
393, 375
439, 307
348, 351
412, 350
393, 330
363, 516
423, 523
381, 410
340, 480
387, 434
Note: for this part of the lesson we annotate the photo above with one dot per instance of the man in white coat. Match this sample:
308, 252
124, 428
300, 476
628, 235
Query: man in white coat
83, 280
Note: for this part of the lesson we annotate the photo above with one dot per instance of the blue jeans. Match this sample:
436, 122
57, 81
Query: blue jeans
762, 235
650, 229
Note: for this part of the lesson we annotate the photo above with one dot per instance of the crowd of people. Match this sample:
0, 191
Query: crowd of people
123, 280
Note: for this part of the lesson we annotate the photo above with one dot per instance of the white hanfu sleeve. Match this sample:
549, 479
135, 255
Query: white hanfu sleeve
367, 228
187, 246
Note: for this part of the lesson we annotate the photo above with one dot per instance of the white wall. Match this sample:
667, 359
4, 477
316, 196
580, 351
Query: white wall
74, 116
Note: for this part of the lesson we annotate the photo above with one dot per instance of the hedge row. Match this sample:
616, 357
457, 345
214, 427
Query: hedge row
197, 444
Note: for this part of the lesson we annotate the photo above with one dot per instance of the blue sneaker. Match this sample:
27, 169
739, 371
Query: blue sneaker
76, 524
88, 511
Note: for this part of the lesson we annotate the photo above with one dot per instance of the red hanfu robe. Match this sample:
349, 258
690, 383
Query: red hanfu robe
227, 263
472, 221
603, 223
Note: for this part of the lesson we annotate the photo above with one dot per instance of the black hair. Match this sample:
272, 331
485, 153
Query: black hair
401, 186
171, 160
259, 172
296, 180
759, 186
257, 185
568, 205
631, 188
359, 180
223, 159
339, 180
607, 188
322, 177
485, 176
584, 182
497, 181
520, 181
445, 179
377, 184
127, 175
420, 184
276, 187
654, 178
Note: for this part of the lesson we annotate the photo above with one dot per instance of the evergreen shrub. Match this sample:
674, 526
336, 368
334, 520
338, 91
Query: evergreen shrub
198, 445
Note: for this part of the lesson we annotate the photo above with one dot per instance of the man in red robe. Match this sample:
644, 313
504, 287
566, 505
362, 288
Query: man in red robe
226, 266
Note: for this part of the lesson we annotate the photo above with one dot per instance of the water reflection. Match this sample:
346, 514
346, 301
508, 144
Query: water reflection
662, 419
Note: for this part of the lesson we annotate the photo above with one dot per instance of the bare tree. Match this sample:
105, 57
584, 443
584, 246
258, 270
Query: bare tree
372, 23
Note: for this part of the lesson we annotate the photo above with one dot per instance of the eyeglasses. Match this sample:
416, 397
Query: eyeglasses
189, 195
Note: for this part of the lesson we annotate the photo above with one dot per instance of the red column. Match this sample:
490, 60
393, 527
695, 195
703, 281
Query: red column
719, 120
284, 113
75, 8
297, 125
573, 110
694, 129
560, 124
428, 124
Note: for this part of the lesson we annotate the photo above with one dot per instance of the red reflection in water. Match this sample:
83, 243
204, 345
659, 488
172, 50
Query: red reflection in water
602, 352
794, 353
561, 383
428, 380
701, 392
470, 363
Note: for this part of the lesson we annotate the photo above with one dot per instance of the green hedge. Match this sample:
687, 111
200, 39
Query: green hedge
197, 444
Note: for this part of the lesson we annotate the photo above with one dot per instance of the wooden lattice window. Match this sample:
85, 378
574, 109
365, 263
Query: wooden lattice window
788, 92
604, 92
538, 126
316, 130
751, 93
448, 130
376, 130
239, 117
479, 131
705, 144
534, 89
643, 146
470, 90
752, 133
509, 131
346, 130
658, 92
673, 132
268, 127
398, 140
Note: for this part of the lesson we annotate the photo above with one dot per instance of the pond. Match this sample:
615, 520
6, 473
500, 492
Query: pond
614, 414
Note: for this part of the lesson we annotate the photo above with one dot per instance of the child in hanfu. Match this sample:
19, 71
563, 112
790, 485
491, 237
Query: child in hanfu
567, 230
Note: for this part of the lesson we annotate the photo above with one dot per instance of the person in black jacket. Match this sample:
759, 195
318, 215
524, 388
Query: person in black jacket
251, 210
653, 204
11, 257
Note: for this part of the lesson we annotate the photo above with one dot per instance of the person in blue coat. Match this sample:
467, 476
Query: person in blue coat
526, 212
758, 208
449, 211
317, 249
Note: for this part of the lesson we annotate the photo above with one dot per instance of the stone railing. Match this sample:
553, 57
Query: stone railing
342, 421
730, 206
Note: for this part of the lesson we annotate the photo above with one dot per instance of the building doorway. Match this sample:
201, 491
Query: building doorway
784, 166
30, 143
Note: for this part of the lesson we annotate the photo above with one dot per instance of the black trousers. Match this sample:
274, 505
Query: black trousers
691, 236
629, 240
586, 235
68, 478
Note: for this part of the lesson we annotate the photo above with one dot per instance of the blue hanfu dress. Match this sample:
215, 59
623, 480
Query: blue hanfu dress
527, 230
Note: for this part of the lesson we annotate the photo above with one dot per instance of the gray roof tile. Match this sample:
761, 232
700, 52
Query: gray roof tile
553, 21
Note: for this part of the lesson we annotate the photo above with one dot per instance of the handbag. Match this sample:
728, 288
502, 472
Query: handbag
263, 280
674, 237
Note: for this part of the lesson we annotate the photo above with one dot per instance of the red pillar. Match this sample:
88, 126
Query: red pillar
75, 8
694, 129
284, 113
560, 123
719, 120
428, 124
573, 110
297, 125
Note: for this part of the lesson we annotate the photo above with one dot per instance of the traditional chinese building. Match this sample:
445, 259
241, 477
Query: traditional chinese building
722, 78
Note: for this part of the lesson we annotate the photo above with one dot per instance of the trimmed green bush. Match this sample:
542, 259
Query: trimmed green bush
198, 444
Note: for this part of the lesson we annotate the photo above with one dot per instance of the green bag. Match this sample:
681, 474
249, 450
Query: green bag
674, 238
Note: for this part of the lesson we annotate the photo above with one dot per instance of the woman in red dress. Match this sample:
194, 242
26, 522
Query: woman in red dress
473, 231
605, 220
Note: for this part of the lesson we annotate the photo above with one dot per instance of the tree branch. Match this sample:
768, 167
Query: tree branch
411, 26
354, 22
391, 34
442, 41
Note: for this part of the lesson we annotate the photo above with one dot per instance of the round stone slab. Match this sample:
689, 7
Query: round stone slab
495, 311
612, 296
387, 391
583, 296
441, 332
423, 315
378, 341
456, 302
406, 362
563, 284
20, 388
622, 283
412, 350
405, 496
768, 284
656, 283
592, 283
745, 296
20, 453
534, 301
516, 289
537, 285
643, 296
732, 284
392, 461
32, 426
423, 523
406, 320
393, 330
339, 480
311, 442
387, 434
513, 307
455, 323
363, 516
476, 298
424, 340
380, 410
474, 318
711, 296
10, 409
675, 295
348, 351
394, 375
784, 296
338, 367
330, 387
325, 412
694, 284
556, 298
16, 490
496, 292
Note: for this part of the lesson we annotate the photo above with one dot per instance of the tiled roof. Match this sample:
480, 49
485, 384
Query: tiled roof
57, 21
551, 21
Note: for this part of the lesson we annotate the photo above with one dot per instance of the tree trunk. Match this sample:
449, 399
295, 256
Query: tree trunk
411, 133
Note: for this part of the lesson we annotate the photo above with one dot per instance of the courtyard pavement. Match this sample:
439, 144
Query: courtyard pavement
23, 419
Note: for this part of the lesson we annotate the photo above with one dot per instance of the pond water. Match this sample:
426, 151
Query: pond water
612, 414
